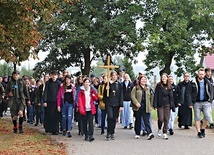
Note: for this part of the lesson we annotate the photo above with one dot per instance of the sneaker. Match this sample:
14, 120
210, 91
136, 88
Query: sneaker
69, 135
137, 137
211, 126
165, 136
159, 133
150, 136
186, 127
144, 133
14, 130
64, 133
130, 126
125, 127
36, 124
199, 135
102, 132
203, 132
108, 137
171, 132
21, 130
112, 137
86, 138
91, 139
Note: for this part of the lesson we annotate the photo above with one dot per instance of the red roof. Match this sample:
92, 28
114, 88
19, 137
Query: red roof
209, 61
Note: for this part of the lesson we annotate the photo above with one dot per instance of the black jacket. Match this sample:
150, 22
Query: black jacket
115, 95
127, 91
163, 97
186, 97
51, 90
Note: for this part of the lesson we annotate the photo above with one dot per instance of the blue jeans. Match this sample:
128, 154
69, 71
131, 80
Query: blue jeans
172, 118
67, 116
31, 110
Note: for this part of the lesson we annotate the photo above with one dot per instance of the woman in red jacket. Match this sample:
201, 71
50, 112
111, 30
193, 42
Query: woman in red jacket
86, 107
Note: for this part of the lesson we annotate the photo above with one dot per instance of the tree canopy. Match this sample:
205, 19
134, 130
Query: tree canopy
171, 29
19, 26
90, 29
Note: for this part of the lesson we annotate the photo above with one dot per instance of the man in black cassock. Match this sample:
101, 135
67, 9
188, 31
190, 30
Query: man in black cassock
51, 120
185, 102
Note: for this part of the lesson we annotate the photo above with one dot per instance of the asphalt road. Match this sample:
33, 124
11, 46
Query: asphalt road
183, 142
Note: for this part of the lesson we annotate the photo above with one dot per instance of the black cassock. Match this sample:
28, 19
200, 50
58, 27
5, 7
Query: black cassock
51, 120
185, 96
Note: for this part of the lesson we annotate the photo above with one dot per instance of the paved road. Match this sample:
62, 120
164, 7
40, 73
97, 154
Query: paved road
183, 142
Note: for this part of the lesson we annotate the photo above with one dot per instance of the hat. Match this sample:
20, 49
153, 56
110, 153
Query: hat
121, 69
15, 72
92, 75
54, 72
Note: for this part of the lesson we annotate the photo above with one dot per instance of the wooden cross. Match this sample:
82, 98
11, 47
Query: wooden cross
108, 67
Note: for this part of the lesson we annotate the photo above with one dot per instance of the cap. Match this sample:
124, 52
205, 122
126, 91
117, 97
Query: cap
92, 75
121, 69
15, 72
54, 72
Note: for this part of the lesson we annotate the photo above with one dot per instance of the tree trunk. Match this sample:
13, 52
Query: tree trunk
167, 65
87, 61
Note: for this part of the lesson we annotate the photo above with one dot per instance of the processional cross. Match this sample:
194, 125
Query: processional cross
108, 67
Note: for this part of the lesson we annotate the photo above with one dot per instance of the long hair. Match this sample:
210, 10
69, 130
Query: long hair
77, 81
64, 83
140, 77
167, 82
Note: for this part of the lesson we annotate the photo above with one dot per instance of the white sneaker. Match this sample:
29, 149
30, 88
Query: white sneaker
137, 137
165, 136
159, 133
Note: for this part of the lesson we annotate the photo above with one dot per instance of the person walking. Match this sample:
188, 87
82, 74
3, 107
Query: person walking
86, 98
173, 115
15, 91
127, 113
185, 104
142, 98
113, 102
202, 99
163, 103
51, 122
65, 104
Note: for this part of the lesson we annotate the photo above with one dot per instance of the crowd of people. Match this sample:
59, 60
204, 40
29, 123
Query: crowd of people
57, 102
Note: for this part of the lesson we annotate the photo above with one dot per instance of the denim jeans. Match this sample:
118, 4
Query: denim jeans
205, 108
67, 116
173, 115
31, 110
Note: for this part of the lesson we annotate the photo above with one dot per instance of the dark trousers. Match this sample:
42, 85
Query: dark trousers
87, 122
103, 120
112, 115
141, 113
163, 117
96, 115
1, 110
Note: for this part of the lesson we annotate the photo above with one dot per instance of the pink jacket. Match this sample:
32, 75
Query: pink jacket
61, 92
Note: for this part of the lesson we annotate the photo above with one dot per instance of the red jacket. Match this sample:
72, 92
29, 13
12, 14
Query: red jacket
82, 102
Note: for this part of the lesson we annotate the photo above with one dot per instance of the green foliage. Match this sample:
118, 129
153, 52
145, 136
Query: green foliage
26, 71
171, 27
98, 71
90, 29
127, 63
6, 69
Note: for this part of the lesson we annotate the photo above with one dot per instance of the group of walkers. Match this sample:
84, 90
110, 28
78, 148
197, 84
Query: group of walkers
57, 102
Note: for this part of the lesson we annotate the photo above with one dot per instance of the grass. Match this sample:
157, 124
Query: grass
30, 143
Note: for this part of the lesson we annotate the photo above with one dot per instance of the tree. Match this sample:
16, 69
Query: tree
6, 69
19, 27
171, 27
128, 68
90, 29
